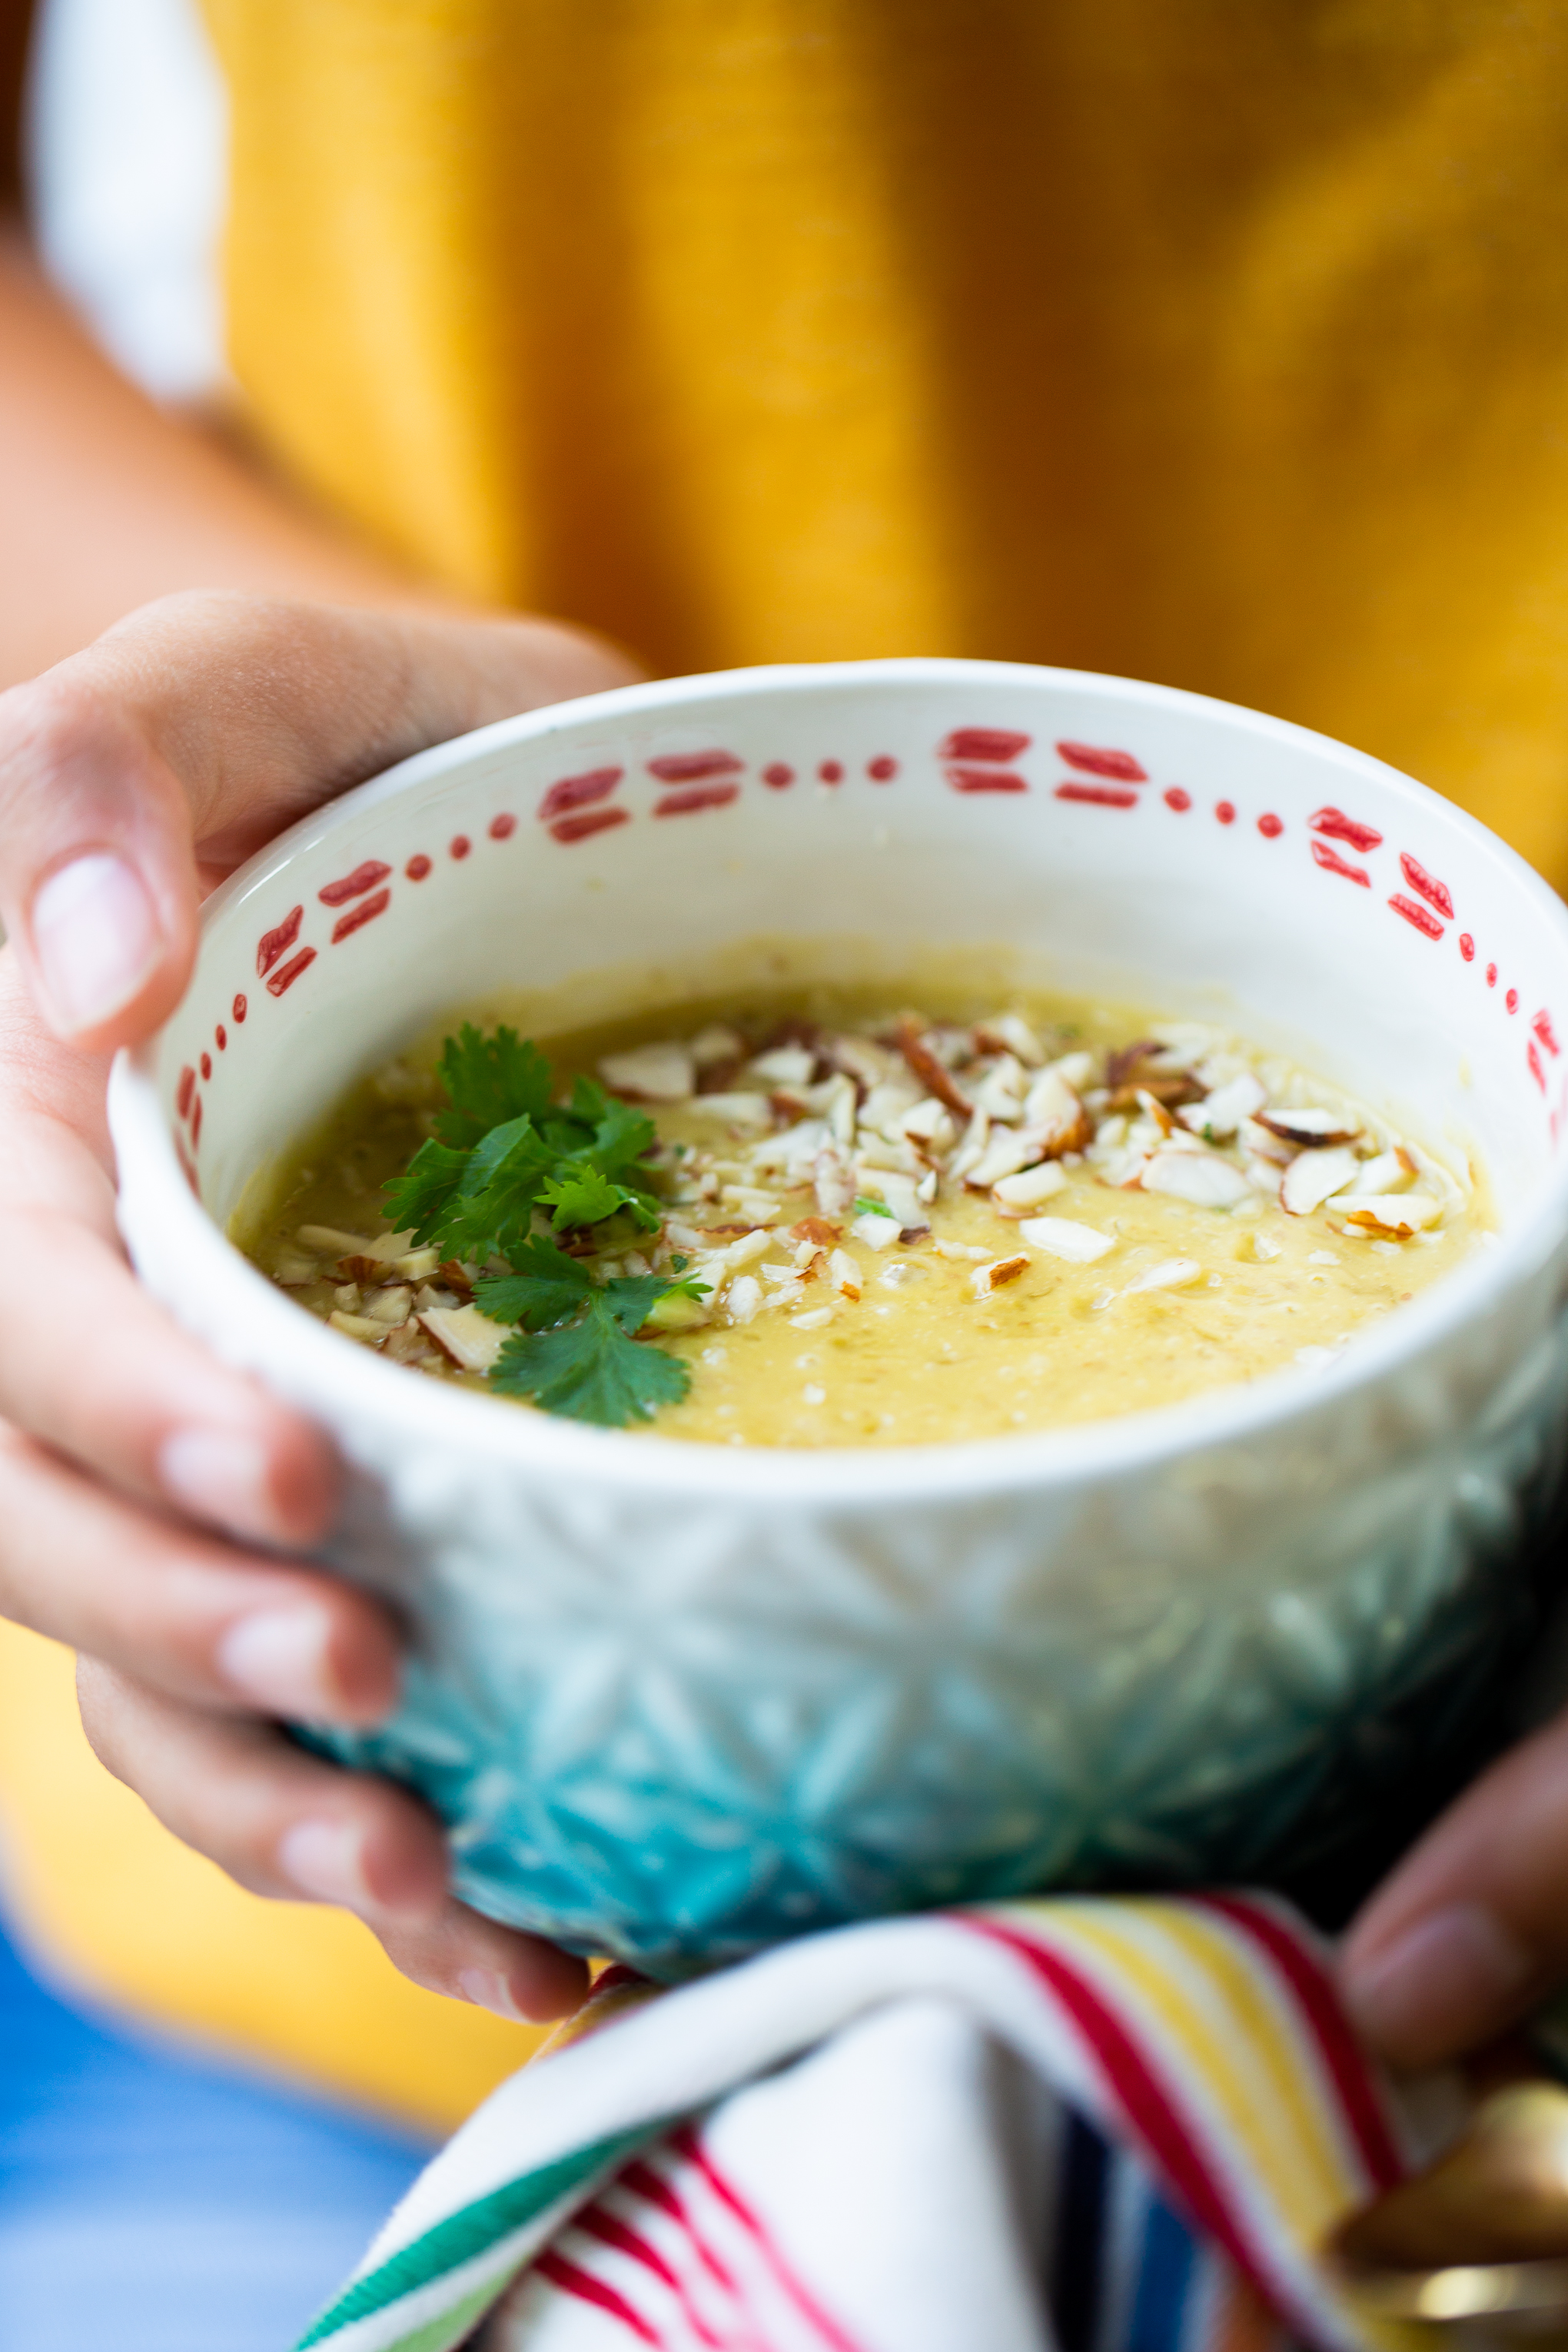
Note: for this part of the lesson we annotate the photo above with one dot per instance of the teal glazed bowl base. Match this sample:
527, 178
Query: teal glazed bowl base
675, 1701
1143, 1737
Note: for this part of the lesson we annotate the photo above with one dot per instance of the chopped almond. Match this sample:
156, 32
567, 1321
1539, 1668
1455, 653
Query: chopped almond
1055, 1114
471, 1340
930, 1073
1308, 1128
833, 1178
358, 1326
661, 1073
406, 1343
327, 1241
1200, 1177
737, 1110
785, 1065
716, 1043
1220, 1114
1005, 1154
1170, 1274
998, 1270
1313, 1177
414, 1266
357, 1269
1120, 1064
390, 1306
1009, 1034
844, 1273
1064, 1237
1031, 1185
820, 1230
1401, 1214
878, 1232
1389, 1172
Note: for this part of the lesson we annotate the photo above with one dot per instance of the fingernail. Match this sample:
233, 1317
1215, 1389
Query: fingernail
279, 1659
322, 1859
490, 1990
219, 1474
96, 937
1431, 1991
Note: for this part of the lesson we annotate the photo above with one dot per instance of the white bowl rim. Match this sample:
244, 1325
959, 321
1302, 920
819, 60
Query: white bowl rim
428, 1412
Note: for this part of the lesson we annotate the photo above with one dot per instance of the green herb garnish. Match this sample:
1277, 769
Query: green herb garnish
506, 1159
865, 1207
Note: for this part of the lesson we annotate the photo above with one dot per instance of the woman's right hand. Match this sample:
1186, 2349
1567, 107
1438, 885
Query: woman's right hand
150, 1497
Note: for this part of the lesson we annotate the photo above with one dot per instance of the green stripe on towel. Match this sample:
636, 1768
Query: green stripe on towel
469, 2232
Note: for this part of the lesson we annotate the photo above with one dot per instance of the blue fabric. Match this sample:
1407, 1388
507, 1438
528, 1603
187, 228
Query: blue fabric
153, 2201
1164, 2276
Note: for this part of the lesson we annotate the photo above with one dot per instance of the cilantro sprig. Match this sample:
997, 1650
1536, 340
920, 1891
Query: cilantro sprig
505, 1157
577, 1352
503, 1149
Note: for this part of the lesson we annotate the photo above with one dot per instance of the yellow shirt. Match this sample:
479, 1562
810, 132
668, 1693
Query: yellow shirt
1224, 343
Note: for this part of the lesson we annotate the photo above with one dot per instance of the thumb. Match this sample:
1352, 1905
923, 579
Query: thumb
1471, 1930
136, 774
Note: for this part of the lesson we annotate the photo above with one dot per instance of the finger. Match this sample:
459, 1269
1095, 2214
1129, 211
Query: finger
286, 1825
1472, 1927
204, 722
180, 1609
91, 1366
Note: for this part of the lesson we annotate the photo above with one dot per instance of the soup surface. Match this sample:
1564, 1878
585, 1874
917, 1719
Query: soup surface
888, 1227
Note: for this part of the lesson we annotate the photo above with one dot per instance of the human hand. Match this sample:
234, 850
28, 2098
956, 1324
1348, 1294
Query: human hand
1470, 1931
146, 1491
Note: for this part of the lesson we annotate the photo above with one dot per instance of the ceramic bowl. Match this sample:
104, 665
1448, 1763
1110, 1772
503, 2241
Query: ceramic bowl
675, 1701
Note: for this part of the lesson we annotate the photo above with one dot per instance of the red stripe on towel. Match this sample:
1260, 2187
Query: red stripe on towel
686, 2142
1139, 2091
574, 2281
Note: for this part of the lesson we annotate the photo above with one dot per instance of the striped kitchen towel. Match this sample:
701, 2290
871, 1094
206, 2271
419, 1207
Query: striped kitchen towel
1103, 2125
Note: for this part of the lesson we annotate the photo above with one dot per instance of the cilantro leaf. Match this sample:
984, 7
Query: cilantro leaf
621, 1133
493, 1209
419, 1202
590, 1370
580, 1196
865, 1207
490, 1082
632, 1297
548, 1287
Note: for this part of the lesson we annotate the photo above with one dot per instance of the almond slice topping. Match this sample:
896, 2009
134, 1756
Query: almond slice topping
844, 1273
1006, 1152
1031, 1185
991, 1276
1397, 1212
1218, 1116
471, 1340
1170, 1274
1200, 1177
358, 1326
1065, 1238
1311, 1128
930, 1073
1313, 1176
1054, 1110
330, 1241
736, 1110
661, 1073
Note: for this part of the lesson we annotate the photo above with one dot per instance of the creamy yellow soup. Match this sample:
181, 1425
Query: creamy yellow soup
911, 1226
